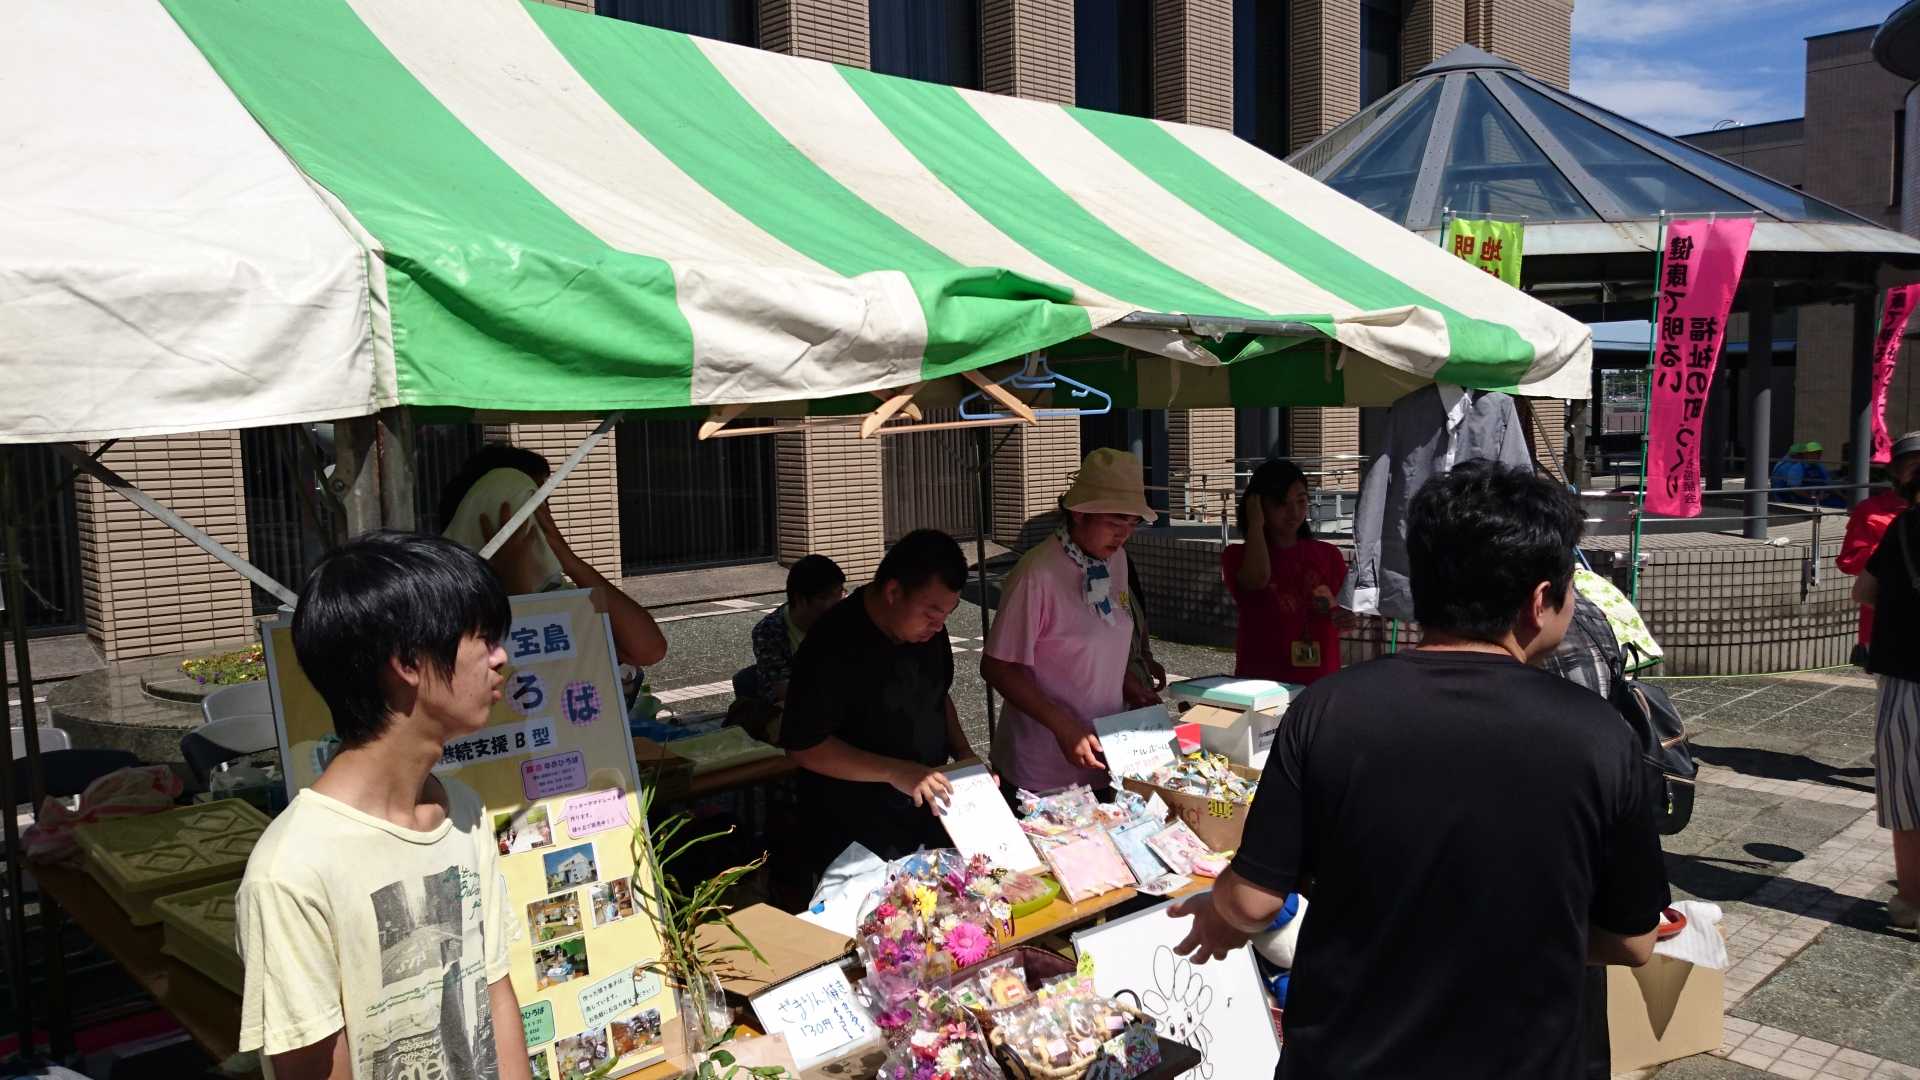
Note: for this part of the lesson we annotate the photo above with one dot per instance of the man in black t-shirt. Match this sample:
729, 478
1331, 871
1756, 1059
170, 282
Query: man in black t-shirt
868, 713
1473, 831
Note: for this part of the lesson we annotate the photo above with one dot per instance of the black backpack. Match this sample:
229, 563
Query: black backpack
1662, 737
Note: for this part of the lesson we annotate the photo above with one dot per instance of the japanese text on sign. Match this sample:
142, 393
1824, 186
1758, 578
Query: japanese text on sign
817, 1013
616, 994
540, 638
1493, 246
555, 775
596, 813
582, 702
495, 743
1886, 353
1700, 270
526, 692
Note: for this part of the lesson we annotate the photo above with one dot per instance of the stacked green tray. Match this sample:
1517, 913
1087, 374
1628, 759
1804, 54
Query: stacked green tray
199, 931
137, 860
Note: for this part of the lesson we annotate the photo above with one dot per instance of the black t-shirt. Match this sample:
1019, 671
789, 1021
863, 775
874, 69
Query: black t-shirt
851, 682
1463, 819
1896, 604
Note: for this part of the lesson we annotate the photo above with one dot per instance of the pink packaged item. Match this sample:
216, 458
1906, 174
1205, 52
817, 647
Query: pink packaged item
1179, 847
1086, 863
143, 789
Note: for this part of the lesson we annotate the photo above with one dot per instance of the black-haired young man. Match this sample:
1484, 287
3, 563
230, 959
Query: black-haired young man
814, 585
868, 712
372, 918
1474, 831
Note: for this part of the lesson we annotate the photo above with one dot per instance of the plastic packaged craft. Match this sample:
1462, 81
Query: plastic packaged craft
1070, 1030
1086, 863
1208, 776
940, 1040
1062, 811
1179, 847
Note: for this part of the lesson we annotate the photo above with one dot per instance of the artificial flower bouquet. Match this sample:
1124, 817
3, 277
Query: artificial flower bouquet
940, 1041
937, 913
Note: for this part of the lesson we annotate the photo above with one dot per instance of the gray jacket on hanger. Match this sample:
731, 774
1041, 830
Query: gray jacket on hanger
1428, 432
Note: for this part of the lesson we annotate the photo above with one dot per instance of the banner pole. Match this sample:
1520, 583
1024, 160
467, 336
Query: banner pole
1646, 408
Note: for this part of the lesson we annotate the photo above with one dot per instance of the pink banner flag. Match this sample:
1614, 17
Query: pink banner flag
1698, 275
1886, 353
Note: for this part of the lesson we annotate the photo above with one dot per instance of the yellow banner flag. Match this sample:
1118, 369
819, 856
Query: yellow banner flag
1493, 246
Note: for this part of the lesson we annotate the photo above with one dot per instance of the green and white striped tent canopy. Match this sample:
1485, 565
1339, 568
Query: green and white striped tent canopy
222, 214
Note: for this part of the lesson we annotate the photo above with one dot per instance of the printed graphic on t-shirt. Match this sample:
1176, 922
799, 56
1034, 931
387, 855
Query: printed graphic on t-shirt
420, 924
431, 985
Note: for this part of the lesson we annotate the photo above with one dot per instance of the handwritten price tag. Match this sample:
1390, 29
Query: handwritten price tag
817, 1013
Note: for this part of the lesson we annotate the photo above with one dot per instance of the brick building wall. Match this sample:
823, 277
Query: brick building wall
831, 30
1026, 49
1851, 103
1536, 34
586, 505
1323, 67
830, 489
1430, 29
148, 590
1030, 473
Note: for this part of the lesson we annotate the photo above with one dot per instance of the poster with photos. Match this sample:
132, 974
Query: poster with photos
555, 768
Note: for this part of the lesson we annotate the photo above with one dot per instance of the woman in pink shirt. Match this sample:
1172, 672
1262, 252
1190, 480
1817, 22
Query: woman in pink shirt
1059, 645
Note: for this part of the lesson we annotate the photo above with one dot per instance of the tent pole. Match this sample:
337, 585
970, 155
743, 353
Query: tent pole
356, 478
398, 484
539, 497
16, 909
983, 445
125, 489
1860, 462
1759, 404
1646, 408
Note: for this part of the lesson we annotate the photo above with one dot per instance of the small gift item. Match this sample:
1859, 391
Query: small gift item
1069, 1032
1086, 863
1060, 812
1208, 776
941, 1040
937, 914
1178, 847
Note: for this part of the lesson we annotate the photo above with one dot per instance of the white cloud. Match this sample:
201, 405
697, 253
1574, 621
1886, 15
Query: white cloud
1637, 21
1675, 98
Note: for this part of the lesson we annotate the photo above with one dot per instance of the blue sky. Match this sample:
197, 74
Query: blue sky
1684, 65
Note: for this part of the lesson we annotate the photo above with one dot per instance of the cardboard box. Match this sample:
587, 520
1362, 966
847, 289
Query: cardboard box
1662, 1012
1218, 824
1234, 692
1243, 736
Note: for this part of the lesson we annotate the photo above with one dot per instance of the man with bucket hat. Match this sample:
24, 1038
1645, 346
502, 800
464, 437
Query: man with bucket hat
1059, 645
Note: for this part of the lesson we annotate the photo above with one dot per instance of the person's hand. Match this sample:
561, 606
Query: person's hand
1256, 514
544, 518
1210, 938
518, 545
1083, 749
1158, 672
926, 786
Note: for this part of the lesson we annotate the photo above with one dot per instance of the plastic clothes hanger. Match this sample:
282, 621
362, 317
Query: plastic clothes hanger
1036, 375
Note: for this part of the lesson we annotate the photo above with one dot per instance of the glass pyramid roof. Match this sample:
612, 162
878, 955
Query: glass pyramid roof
1474, 136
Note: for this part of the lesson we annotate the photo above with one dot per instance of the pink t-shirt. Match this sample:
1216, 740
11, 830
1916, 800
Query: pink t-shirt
1080, 661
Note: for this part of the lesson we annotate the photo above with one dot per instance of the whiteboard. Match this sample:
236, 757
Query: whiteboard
1219, 1009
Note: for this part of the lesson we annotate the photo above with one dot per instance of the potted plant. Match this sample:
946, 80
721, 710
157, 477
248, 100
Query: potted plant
686, 962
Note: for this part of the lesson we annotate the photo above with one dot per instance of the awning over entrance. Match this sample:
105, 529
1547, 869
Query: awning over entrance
230, 215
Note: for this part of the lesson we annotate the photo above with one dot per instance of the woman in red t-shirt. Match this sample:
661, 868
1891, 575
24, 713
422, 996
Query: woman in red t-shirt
1284, 583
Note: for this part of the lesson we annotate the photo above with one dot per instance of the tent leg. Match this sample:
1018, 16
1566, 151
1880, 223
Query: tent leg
1759, 404
1861, 460
983, 444
356, 478
398, 484
173, 521
16, 908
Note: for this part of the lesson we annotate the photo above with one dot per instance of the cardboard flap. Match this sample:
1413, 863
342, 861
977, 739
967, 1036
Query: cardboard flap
791, 945
1218, 717
1661, 986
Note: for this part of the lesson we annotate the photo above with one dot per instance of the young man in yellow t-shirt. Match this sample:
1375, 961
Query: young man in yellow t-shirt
373, 918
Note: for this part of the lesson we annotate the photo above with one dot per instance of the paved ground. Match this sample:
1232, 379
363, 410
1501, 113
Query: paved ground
1783, 839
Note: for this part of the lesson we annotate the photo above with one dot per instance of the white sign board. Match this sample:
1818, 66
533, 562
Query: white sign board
1219, 1008
818, 1014
1136, 743
980, 822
